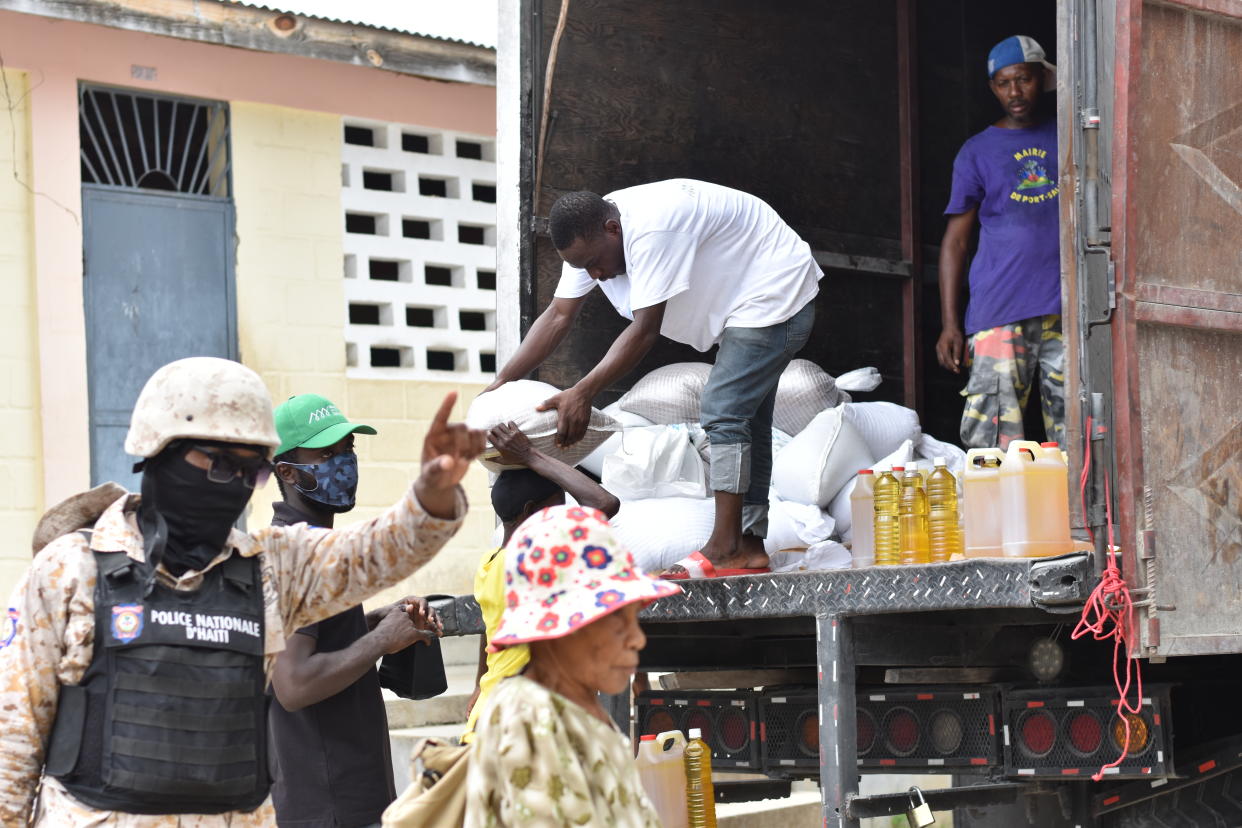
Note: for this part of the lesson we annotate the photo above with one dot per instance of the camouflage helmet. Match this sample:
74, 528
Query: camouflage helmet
201, 398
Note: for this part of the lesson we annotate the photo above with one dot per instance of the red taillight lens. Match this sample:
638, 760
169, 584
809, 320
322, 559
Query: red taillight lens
699, 719
659, 721
1085, 732
1038, 733
901, 731
946, 731
807, 730
866, 731
734, 731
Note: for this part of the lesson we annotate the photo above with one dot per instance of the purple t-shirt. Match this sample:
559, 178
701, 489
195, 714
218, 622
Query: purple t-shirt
1011, 176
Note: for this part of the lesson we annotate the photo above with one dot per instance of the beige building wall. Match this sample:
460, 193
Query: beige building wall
291, 308
291, 318
21, 472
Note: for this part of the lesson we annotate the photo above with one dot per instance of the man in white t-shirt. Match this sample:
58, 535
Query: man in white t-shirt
704, 265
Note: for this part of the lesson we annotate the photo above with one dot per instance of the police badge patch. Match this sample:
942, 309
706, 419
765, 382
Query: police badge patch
126, 622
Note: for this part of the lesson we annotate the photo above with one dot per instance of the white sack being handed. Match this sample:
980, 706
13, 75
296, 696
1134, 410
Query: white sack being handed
515, 402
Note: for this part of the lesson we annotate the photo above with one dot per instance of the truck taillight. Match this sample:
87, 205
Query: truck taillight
699, 719
946, 731
865, 728
1138, 735
1037, 733
728, 719
734, 730
901, 731
1054, 733
928, 729
660, 721
1085, 732
809, 729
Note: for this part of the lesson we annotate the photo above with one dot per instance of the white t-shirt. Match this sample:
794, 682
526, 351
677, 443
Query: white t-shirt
721, 259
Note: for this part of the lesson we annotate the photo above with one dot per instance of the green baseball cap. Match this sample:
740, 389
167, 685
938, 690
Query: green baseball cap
312, 421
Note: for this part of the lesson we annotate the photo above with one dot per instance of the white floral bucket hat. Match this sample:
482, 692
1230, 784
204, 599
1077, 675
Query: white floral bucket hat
564, 568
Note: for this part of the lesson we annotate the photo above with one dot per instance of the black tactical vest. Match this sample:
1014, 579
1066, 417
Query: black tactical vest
170, 717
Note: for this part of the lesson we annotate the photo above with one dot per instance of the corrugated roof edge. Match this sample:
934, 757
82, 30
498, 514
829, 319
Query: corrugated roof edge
349, 22
232, 23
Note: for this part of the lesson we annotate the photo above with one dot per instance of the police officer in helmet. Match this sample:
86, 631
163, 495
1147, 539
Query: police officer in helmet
133, 678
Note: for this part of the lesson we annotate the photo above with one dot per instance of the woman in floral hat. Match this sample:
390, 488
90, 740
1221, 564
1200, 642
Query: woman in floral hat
545, 751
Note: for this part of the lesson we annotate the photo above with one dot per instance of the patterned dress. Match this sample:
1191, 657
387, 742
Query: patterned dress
539, 759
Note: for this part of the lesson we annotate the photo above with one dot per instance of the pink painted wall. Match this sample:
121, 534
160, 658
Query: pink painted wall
96, 53
58, 54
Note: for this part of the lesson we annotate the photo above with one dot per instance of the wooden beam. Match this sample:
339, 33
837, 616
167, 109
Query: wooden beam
862, 264
264, 30
733, 679
911, 239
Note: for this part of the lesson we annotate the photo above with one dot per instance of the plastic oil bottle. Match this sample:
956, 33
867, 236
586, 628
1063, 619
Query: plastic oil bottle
944, 535
981, 509
700, 795
915, 545
862, 519
887, 534
661, 768
1034, 484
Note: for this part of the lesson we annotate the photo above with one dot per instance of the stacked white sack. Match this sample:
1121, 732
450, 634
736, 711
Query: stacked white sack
661, 531
674, 393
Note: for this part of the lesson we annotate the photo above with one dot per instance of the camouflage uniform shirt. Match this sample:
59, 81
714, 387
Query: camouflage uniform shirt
308, 574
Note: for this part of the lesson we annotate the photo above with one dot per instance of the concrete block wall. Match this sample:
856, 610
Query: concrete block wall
21, 472
292, 316
440, 160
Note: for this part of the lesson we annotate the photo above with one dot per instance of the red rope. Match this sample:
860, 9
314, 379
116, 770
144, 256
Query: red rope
1109, 614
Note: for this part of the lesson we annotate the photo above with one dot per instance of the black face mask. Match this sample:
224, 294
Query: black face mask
185, 517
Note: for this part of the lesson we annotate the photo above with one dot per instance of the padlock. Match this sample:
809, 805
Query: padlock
920, 813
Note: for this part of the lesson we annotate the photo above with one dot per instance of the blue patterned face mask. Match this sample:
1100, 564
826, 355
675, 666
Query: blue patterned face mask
336, 481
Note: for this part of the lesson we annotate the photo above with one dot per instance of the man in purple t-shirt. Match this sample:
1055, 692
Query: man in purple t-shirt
1006, 177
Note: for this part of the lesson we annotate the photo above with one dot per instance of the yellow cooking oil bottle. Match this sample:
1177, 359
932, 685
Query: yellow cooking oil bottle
1034, 487
944, 534
915, 545
886, 535
700, 795
662, 771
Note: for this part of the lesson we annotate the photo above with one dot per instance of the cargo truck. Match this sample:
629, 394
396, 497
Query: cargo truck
846, 116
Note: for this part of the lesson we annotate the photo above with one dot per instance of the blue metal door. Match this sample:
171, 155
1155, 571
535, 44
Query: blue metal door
158, 287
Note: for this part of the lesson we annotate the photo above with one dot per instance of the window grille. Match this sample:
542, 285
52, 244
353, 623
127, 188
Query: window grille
139, 141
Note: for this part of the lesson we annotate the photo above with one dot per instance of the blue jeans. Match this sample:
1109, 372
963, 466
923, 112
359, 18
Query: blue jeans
737, 409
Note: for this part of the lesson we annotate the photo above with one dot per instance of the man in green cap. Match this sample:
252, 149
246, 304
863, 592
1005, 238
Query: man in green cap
329, 735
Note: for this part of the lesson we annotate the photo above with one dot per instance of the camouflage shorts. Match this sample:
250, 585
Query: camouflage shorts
1002, 367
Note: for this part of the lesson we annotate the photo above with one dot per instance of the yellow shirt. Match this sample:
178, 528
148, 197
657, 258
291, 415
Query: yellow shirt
489, 591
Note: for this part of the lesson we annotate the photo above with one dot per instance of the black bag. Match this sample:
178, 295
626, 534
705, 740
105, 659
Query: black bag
417, 672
